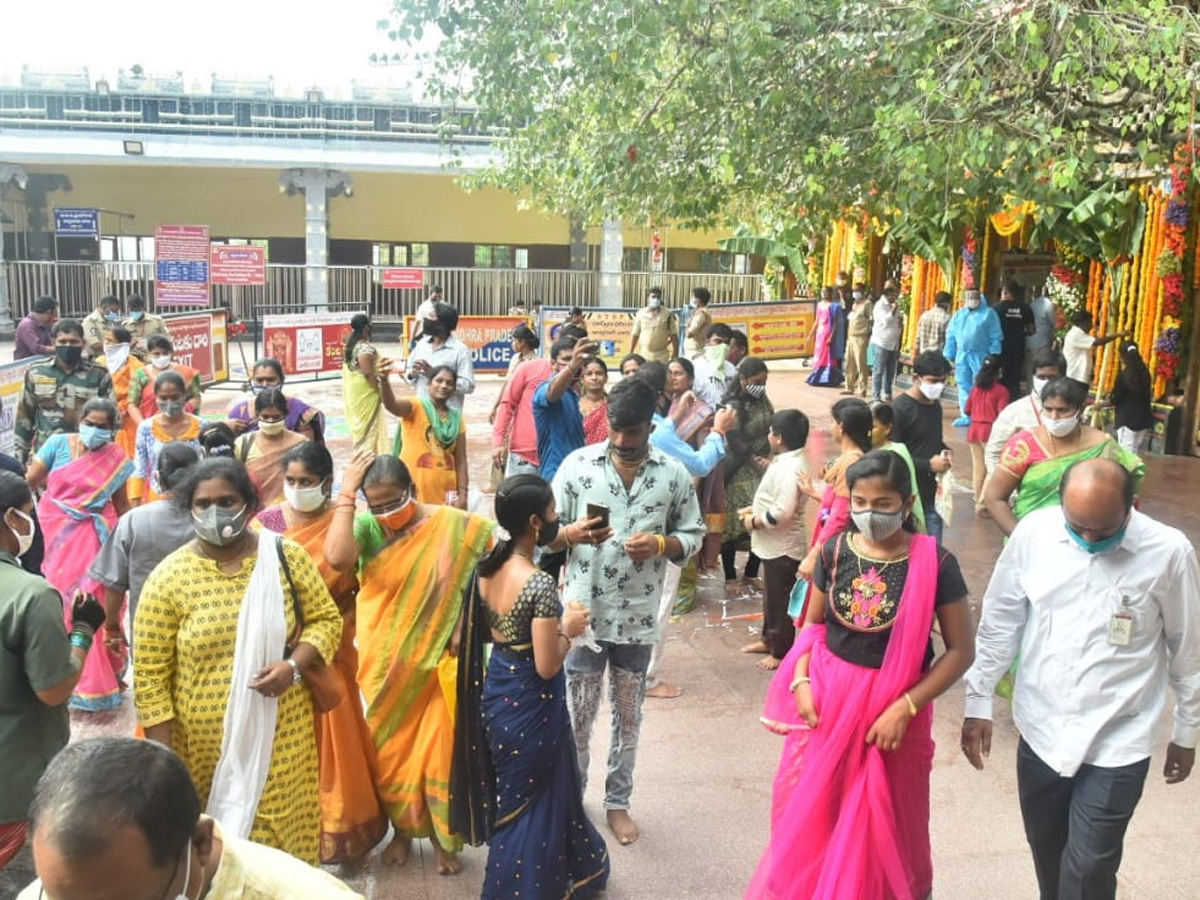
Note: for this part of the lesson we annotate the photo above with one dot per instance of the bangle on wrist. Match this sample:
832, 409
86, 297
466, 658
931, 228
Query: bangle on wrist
112, 626
662, 544
566, 536
81, 640
913, 709
296, 676
799, 680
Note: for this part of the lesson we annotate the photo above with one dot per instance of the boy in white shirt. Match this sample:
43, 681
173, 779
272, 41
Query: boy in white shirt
777, 533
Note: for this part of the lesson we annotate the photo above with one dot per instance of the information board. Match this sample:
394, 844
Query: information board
403, 279
782, 330
201, 341
610, 327
307, 343
181, 261
76, 221
12, 381
488, 337
238, 265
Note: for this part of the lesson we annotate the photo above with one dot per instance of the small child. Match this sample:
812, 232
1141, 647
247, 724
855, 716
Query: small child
987, 398
777, 534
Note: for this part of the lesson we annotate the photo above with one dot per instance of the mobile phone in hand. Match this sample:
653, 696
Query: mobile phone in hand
597, 511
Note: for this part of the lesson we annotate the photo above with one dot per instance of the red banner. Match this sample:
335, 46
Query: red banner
238, 265
403, 279
181, 260
199, 340
307, 344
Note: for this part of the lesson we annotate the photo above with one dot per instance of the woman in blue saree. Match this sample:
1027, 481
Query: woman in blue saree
515, 780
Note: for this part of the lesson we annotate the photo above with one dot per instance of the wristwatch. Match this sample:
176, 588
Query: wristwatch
296, 676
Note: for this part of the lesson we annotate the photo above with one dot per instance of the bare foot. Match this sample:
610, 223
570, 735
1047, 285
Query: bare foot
623, 826
756, 647
769, 663
398, 851
753, 584
447, 863
664, 691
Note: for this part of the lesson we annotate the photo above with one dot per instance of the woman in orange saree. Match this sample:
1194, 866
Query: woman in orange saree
414, 562
121, 367
352, 818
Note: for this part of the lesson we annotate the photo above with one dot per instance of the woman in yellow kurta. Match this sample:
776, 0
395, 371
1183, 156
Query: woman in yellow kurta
360, 388
352, 818
213, 673
414, 561
432, 439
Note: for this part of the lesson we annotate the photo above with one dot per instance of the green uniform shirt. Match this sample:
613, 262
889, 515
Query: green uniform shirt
52, 402
34, 655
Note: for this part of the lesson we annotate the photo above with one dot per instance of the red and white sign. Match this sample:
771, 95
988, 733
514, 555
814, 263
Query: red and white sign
403, 279
307, 344
200, 341
181, 260
238, 265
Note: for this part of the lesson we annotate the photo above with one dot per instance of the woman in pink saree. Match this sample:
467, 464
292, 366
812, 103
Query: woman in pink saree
850, 804
85, 477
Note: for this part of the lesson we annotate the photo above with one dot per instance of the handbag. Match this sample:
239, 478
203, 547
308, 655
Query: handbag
326, 685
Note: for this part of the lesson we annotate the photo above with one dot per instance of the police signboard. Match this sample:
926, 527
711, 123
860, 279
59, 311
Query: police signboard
76, 221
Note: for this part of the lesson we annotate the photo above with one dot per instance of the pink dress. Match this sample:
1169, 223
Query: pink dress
983, 406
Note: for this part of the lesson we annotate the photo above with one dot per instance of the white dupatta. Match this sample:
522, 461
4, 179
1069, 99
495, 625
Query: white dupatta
249, 737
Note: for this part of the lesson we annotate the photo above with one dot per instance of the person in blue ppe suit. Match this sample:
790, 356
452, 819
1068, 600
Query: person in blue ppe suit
973, 334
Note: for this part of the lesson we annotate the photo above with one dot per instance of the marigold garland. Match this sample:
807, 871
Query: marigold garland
1168, 348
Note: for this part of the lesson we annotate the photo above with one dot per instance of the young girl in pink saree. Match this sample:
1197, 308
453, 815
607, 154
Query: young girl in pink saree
850, 804
85, 477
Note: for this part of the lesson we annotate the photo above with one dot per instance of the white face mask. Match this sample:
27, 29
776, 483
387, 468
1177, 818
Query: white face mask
932, 391
1061, 427
160, 362
272, 428
115, 356
24, 541
304, 499
1038, 385
692, 303
655, 302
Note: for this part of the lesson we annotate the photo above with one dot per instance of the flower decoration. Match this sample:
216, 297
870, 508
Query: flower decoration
1168, 348
235, 328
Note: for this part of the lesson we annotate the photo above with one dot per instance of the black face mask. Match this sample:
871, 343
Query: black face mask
548, 533
71, 356
435, 330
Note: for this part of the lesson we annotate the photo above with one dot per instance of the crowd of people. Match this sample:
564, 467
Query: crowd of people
308, 649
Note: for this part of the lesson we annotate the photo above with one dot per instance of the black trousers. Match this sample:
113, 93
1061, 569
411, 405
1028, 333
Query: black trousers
729, 562
1076, 826
779, 577
1011, 369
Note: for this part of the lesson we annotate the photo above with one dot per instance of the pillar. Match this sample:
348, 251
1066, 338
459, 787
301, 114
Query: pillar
317, 186
612, 253
38, 189
578, 237
18, 176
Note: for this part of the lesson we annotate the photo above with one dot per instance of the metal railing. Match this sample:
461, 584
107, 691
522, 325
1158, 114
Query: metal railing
78, 286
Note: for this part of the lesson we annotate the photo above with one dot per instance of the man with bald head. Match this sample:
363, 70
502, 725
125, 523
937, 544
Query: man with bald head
1103, 604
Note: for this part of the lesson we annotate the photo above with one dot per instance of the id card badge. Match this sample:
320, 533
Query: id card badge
1120, 629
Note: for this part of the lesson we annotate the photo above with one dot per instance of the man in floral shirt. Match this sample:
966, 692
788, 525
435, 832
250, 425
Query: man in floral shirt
617, 572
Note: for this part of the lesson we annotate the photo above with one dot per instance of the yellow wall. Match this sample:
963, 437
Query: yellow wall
385, 207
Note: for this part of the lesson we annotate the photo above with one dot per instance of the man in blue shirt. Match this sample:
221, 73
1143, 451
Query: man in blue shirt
973, 333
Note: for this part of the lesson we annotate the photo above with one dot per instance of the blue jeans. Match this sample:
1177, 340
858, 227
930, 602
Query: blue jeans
1076, 826
518, 465
934, 526
883, 373
627, 664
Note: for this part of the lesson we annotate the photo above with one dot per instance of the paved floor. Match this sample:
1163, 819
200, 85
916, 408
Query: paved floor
706, 765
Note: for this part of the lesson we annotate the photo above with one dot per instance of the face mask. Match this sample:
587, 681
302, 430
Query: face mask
136, 316
716, 354
113, 316
757, 391
172, 409
272, 428
435, 330
70, 356
305, 499
877, 526
857, 295
257, 389
220, 527
24, 541
187, 877
932, 391
548, 533
655, 302
1038, 385
1061, 427
973, 304
692, 304
1101, 546
115, 356
94, 437
160, 362
398, 517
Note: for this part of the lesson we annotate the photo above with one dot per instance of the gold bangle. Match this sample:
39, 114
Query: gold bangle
912, 707
566, 536
662, 544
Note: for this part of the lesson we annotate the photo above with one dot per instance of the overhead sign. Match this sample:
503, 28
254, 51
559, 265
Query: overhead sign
181, 261
238, 265
610, 327
199, 340
488, 337
401, 279
783, 330
76, 221
308, 343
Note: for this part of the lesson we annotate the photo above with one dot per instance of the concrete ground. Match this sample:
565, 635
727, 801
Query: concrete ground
706, 765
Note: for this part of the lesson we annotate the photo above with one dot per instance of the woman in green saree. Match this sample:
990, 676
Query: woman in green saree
1033, 461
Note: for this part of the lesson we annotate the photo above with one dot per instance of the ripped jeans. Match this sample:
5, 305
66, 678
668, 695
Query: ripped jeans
627, 664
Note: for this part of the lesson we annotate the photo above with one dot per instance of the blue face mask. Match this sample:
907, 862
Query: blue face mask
1101, 546
93, 437
136, 316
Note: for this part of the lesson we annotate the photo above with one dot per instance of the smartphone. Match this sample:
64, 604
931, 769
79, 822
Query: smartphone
596, 511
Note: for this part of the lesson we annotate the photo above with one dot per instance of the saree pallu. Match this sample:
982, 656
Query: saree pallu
595, 425
264, 461
364, 412
848, 821
77, 516
126, 438
12, 839
1039, 484
352, 818
409, 600
542, 843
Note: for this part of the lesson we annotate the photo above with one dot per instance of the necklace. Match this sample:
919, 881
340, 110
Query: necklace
879, 564
528, 556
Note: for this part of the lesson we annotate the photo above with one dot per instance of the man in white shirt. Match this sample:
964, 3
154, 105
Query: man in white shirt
1024, 412
426, 309
1078, 345
1103, 605
714, 372
439, 347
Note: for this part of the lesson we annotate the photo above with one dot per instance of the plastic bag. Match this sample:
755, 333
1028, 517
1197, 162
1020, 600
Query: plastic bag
943, 501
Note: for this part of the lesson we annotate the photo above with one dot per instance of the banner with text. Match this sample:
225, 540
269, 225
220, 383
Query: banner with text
12, 381
488, 337
200, 341
778, 330
610, 327
181, 260
238, 265
307, 343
